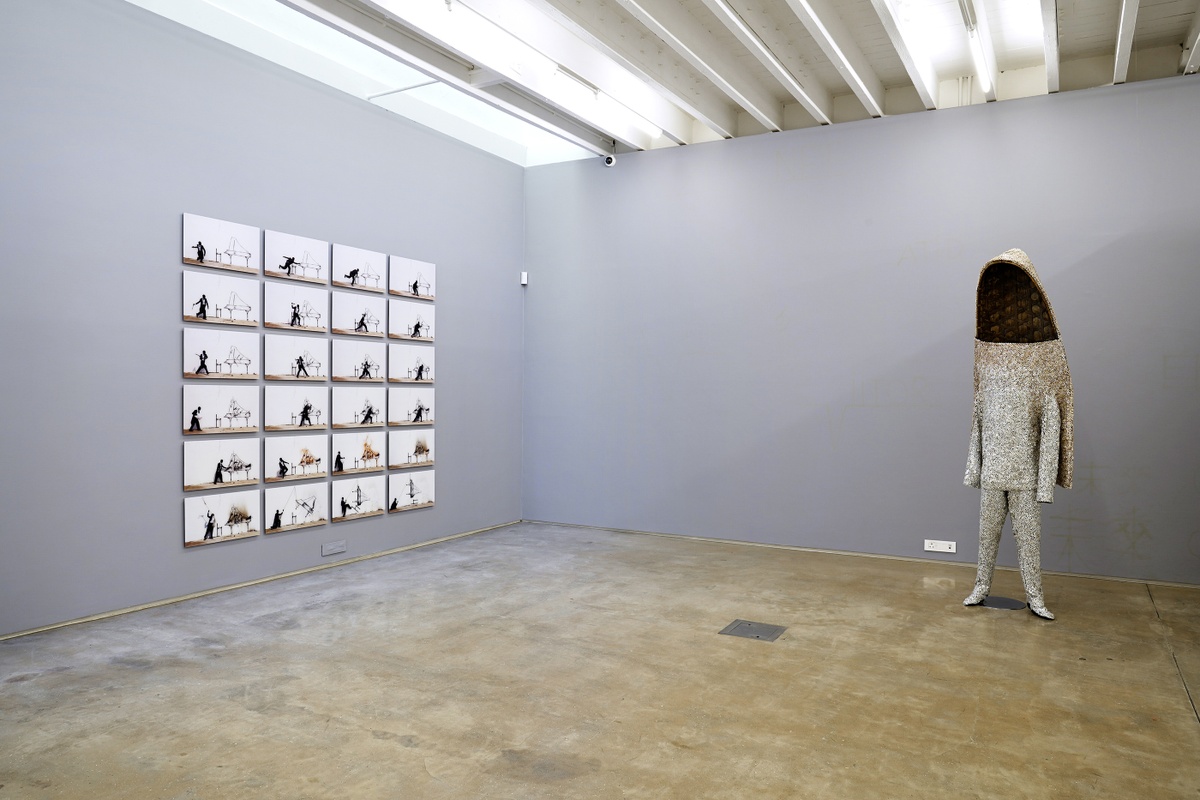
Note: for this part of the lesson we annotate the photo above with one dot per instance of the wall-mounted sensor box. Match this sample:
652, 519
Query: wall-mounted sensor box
938, 546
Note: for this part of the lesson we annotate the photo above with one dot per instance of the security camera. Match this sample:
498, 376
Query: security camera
610, 160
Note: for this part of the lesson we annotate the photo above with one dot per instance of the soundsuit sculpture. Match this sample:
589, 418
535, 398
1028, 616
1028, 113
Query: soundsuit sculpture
1022, 432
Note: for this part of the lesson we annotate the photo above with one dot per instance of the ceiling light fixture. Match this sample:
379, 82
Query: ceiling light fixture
976, 45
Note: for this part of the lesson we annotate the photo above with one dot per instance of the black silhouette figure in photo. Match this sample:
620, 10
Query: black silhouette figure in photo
361, 325
396, 500
368, 414
366, 370
277, 523
420, 371
306, 414
201, 252
203, 356
338, 465
353, 276
300, 368
210, 523
295, 320
419, 412
217, 476
195, 426
283, 467
416, 329
202, 311
416, 286
345, 506
289, 262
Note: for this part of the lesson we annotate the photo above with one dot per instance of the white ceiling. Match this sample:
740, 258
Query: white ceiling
541, 81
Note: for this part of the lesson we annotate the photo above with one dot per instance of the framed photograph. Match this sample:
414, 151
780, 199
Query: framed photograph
295, 358
361, 451
219, 244
410, 363
215, 298
296, 408
358, 497
358, 361
220, 463
220, 353
358, 269
409, 491
357, 406
295, 258
290, 508
227, 408
295, 307
295, 458
220, 517
409, 407
408, 319
408, 277
410, 449
358, 315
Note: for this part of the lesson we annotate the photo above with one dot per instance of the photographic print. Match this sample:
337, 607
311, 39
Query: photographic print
218, 299
296, 258
215, 353
292, 307
410, 491
215, 243
358, 361
358, 269
357, 407
221, 517
410, 363
219, 463
409, 449
356, 498
358, 315
295, 458
408, 277
294, 408
410, 407
410, 320
290, 508
357, 452
295, 358
219, 409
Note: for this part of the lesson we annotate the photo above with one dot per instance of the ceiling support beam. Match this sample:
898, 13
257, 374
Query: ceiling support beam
681, 32
920, 69
1129, 11
834, 39
377, 32
812, 96
545, 35
1050, 43
1189, 61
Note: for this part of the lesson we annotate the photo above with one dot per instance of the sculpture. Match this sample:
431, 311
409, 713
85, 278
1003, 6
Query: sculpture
1022, 432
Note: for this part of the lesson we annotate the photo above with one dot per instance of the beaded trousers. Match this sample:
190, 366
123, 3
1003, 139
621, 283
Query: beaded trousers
994, 506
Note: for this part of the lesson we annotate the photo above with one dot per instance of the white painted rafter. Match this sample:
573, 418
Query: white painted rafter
1050, 43
834, 39
373, 29
920, 68
1129, 11
543, 33
812, 96
686, 36
1189, 61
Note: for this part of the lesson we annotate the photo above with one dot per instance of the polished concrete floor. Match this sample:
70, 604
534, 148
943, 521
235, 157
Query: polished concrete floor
539, 661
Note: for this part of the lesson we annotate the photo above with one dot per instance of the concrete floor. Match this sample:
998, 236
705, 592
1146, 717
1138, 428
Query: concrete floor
549, 662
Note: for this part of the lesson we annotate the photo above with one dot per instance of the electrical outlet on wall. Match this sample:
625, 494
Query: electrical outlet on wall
938, 546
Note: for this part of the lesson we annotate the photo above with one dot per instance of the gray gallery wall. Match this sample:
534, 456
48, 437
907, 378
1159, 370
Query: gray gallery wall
115, 122
770, 339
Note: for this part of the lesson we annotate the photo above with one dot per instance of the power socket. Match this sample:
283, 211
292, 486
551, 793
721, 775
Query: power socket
938, 546
333, 548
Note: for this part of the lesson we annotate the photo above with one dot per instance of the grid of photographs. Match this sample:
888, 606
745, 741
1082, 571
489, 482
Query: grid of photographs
259, 407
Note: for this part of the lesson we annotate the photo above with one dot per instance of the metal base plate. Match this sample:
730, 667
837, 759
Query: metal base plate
1006, 603
753, 630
